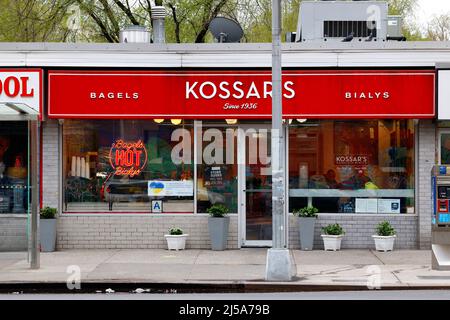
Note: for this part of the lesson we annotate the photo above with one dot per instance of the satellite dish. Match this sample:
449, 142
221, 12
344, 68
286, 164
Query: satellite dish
226, 30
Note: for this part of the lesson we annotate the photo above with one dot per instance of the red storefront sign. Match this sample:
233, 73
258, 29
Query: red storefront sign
240, 94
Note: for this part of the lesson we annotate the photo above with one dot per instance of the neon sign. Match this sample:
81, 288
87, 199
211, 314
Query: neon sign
128, 158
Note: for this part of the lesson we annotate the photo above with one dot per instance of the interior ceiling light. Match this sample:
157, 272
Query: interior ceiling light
302, 120
175, 121
158, 120
231, 121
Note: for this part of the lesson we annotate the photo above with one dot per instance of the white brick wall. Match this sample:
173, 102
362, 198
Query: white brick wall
359, 230
50, 156
13, 233
427, 158
147, 232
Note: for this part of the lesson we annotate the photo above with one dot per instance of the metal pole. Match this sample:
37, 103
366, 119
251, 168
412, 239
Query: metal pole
34, 243
279, 263
277, 137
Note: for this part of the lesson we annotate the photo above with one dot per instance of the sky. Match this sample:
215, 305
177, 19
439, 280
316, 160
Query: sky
427, 8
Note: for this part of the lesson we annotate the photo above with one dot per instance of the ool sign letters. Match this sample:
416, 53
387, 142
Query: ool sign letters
22, 86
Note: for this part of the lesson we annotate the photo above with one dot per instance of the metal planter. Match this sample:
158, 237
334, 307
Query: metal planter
48, 234
218, 232
306, 229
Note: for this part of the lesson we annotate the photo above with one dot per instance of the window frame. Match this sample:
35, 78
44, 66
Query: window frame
112, 213
415, 187
440, 132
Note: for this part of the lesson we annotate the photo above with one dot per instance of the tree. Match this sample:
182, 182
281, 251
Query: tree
439, 28
32, 20
406, 9
188, 20
255, 17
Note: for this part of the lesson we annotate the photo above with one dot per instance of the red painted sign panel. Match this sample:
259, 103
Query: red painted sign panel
240, 94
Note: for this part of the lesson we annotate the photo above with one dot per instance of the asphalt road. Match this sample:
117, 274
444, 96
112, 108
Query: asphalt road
340, 295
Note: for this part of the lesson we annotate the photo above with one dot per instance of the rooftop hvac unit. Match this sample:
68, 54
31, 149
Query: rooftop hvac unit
342, 21
394, 26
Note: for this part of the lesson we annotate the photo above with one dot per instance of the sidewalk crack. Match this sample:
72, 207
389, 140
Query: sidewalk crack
112, 254
193, 265
377, 257
393, 272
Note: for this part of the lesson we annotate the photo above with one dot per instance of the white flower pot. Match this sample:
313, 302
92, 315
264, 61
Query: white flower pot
176, 242
331, 242
383, 243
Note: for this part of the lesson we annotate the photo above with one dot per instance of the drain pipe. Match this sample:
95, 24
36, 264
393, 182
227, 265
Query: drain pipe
158, 22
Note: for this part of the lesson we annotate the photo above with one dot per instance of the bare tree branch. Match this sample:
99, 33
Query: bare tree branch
176, 21
202, 33
127, 11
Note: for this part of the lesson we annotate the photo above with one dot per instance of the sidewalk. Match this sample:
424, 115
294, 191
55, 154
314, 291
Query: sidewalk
346, 268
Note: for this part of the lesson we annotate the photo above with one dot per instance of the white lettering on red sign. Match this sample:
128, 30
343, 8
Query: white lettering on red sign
237, 90
114, 95
367, 95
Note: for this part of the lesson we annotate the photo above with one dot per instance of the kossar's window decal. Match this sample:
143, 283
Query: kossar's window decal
241, 94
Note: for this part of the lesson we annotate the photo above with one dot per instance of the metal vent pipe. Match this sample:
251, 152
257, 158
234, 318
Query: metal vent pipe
158, 20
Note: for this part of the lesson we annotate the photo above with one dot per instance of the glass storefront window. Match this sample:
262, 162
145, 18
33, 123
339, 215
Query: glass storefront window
364, 166
217, 174
14, 167
445, 147
128, 166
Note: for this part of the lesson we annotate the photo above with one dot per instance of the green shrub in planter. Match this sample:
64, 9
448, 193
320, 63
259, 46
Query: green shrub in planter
385, 237
385, 229
48, 229
306, 212
217, 211
175, 231
333, 230
306, 225
176, 239
218, 224
48, 213
332, 237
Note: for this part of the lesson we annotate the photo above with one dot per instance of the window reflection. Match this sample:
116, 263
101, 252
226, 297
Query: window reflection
124, 165
343, 166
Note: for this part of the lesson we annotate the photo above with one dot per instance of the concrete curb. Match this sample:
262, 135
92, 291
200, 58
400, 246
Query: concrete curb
195, 287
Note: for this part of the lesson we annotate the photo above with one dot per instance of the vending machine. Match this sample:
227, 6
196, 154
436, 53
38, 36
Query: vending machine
440, 228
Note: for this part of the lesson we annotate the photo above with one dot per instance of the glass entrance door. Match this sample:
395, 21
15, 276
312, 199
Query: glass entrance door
256, 184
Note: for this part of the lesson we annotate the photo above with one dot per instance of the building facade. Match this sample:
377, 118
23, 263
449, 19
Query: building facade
139, 138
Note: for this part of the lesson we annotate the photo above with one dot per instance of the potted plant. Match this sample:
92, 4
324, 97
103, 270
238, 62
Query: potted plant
385, 237
47, 225
332, 237
176, 239
306, 223
218, 224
